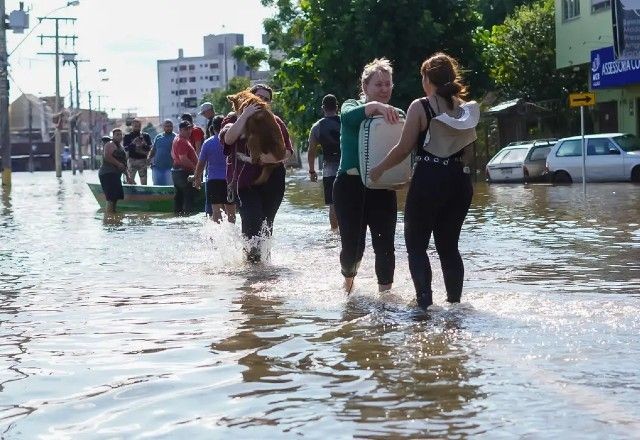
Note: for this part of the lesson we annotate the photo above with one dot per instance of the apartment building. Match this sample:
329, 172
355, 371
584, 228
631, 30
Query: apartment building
584, 40
183, 81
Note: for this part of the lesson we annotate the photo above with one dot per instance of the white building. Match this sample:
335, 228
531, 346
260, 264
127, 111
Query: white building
183, 81
30, 116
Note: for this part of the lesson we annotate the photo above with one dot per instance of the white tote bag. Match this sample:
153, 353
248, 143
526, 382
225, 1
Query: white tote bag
377, 138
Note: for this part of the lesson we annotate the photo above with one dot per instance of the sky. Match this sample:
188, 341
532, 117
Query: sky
126, 37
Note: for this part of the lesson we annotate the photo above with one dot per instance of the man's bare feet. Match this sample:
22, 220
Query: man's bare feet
384, 287
348, 284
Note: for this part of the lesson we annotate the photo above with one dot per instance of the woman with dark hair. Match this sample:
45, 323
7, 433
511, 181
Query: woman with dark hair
113, 167
257, 204
440, 128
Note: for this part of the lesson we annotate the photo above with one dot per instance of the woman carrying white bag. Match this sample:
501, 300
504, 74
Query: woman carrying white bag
356, 205
438, 128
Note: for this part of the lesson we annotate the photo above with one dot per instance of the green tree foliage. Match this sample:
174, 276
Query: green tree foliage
495, 11
520, 55
250, 55
219, 97
328, 42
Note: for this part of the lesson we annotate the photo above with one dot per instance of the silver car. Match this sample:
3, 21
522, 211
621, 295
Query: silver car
520, 161
610, 157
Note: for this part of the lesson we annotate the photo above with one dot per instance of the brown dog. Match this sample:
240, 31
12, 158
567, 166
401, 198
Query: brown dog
262, 132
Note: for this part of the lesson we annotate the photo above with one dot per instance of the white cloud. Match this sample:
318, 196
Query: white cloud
126, 37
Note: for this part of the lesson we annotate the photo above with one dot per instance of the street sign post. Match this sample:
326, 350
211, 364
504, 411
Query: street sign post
582, 100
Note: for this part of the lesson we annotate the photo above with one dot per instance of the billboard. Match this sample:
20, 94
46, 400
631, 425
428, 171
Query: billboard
626, 28
607, 71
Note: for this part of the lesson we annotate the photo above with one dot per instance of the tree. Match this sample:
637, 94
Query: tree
250, 55
219, 97
328, 42
520, 55
495, 11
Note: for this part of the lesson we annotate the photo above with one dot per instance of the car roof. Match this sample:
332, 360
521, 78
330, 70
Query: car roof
529, 144
593, 136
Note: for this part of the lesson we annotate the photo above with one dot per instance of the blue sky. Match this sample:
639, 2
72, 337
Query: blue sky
126, 37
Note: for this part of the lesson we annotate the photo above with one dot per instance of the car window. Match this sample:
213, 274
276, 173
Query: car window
600, 147
540, 153
628, 142
498, 157
514, 155
571, 147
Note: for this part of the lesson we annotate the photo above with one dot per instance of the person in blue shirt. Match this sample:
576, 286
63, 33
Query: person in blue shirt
160, 155
212, 156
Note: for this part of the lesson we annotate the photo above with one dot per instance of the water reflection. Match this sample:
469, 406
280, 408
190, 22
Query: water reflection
151, 325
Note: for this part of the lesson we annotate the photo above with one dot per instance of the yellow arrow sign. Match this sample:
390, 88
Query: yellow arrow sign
582, 99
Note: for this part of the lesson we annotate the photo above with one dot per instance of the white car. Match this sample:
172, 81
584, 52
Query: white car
519, 161
610, 157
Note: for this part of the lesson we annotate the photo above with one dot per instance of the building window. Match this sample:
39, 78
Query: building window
192, 67
213, 65
183, 67
192, 79
193, 91
174, 69
570, 9
206, 65
600, 5
182, 92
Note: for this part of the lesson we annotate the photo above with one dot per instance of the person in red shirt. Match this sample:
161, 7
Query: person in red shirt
197, 134
184, 164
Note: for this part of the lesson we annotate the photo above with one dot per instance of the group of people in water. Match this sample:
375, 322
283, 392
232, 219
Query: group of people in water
438, 199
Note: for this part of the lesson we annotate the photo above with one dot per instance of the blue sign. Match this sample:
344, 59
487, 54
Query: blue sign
606, 71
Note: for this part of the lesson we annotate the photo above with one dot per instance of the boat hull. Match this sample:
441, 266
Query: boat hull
145, 198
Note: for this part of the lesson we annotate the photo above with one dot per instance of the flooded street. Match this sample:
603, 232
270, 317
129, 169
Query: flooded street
152, 326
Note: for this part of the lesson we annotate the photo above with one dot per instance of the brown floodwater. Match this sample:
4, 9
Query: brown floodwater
152, 326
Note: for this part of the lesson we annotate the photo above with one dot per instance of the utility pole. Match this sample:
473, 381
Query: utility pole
30, 130
56, 110
76, 148
91, 143
5, 139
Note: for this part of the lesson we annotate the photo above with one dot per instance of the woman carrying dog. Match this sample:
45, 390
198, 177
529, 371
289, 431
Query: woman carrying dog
257, 204
440, 193
357, 206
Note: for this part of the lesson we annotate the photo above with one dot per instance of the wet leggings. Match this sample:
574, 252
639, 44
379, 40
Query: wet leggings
438, 202
258, 206
356, 208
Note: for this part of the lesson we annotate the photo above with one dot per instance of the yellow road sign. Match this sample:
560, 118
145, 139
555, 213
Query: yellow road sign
585, 99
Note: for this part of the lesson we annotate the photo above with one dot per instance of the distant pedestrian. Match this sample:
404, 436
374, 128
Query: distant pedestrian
113, 166
212, 156
184, 164
197, 134
160, 155
137, 144
208, 112
325, 133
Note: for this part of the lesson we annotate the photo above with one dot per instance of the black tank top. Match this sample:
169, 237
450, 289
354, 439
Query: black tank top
423, 134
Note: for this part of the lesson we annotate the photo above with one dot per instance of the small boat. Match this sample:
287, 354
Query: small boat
146, 198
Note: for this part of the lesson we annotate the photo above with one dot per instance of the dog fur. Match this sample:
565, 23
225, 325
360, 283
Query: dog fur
262, 132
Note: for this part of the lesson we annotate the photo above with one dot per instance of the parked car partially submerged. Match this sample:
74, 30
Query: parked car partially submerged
610, 157
520, 161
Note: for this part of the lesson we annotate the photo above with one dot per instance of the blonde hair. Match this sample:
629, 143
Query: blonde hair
375, 66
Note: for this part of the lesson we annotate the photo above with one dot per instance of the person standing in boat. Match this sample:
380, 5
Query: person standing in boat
440, 193
137, 145
357, 206
184, 164
325, 133
160, 155
114, 165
